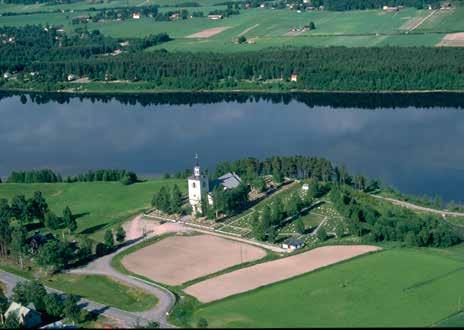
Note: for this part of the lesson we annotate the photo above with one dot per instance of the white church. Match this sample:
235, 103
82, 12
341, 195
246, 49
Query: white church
199, 186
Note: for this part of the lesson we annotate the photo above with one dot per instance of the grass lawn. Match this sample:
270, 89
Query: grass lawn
101, 205
397, 287
104, 290
455, 321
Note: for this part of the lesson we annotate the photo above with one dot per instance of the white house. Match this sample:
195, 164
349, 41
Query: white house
135, 15
199, 186
305, 187
72, 77
292, 244
27, 316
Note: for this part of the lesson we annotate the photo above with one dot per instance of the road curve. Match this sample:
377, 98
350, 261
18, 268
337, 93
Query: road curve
419, 208
125, 319
166, 299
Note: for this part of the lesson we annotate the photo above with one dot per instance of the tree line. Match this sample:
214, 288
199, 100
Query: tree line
49, 176
331, 68
48, 251
168, 200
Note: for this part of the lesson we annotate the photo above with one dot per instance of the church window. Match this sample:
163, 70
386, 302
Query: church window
193, 184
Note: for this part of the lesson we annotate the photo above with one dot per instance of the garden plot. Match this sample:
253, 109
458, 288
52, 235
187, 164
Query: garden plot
256, 276
178, 259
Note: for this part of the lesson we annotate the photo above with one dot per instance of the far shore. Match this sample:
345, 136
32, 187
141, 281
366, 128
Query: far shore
221, 91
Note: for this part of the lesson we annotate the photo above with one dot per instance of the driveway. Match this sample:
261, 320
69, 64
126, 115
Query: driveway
166, 299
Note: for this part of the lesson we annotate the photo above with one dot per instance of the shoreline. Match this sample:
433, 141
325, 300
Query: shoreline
223, 91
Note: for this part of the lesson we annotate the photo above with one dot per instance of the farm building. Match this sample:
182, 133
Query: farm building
389, 9
27, 316
215, 17
292, 244
294, 77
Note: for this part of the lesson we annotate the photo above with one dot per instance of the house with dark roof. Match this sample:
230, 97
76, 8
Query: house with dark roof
37, 240
28, 317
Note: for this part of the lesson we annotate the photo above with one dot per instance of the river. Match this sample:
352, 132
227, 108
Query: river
412, 142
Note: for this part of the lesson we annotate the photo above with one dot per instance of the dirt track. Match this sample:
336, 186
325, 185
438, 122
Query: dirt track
418, 207
253, 277
208, 32
178, 259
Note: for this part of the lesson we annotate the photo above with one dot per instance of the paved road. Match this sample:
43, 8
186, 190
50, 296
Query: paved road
123, 318
102, 266
419, 208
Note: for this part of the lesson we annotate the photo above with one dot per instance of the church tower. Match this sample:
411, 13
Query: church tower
198, 187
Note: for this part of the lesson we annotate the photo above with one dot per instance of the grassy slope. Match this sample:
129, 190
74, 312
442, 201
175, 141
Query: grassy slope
104, 290
103, 204
97, 288
367, 291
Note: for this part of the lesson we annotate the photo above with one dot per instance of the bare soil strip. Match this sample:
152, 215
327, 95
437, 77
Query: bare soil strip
248, 30
253, 277
176, 260
452, 40
139, 226
209, 32
415, 22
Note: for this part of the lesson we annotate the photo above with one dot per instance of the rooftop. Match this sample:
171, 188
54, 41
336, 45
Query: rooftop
228, 180
293, 241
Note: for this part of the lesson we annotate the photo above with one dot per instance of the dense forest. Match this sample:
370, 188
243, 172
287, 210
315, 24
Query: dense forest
51, 58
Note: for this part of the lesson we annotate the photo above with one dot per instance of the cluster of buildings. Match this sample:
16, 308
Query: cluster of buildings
200, 189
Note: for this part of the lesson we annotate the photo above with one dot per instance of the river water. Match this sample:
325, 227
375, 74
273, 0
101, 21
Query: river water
412, 142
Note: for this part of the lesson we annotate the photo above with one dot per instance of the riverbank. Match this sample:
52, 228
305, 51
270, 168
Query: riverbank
156, 91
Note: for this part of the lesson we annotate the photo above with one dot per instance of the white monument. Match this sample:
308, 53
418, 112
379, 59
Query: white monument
198, 187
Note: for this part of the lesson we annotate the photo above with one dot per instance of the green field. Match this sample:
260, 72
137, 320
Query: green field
264, 27
455, 321
103, 290
394, 288
99, 205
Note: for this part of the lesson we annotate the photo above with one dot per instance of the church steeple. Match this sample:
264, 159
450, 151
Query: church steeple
198, 187
196, 169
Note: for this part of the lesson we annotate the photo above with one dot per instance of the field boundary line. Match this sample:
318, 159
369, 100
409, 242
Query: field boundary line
437, 278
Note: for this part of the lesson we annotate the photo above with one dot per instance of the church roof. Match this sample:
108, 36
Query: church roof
228, 180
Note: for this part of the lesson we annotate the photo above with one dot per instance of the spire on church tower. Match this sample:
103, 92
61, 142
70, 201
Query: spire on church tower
196, 169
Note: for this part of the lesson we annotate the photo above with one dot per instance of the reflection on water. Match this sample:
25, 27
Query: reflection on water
415, 148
